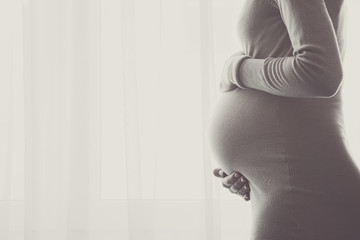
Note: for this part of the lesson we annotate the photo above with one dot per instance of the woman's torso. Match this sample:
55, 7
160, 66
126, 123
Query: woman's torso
244, 119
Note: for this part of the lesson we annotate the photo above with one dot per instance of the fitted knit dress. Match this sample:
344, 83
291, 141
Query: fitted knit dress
283, 127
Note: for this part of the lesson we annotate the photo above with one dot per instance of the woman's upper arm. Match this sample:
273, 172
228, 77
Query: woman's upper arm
316, 52
315, 69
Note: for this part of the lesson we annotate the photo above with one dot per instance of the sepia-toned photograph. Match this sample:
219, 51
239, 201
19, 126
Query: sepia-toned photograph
179, 120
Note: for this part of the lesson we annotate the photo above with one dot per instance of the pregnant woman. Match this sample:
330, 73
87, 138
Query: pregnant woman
279, 121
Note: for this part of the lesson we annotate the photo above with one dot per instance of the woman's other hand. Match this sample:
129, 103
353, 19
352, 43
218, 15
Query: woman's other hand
235, 182
229, 72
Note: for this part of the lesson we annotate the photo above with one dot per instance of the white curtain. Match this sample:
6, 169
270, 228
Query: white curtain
104, 109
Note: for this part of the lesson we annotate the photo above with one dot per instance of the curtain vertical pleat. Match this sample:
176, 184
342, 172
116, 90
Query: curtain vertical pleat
139, 216
128, 65
28, 18
7, 106
211, 205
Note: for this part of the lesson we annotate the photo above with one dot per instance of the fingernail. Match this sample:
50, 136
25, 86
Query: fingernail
242, 179
236, 175
245, 187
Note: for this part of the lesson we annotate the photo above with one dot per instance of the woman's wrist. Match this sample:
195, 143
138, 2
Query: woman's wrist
230, 77
235, 78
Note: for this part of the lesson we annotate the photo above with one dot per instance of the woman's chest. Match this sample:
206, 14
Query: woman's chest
261, 30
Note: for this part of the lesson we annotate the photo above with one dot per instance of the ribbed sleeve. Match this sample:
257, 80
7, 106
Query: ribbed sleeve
314, 70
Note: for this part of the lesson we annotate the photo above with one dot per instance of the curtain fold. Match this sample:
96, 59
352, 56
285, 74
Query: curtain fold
104, 116
208, 93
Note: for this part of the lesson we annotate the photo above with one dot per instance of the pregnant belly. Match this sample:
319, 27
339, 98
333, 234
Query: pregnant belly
243, 130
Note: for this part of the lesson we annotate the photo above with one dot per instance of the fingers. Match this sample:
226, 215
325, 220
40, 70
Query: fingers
231, 179
235, 182
236, 186
247, 197
241, 187
218, 172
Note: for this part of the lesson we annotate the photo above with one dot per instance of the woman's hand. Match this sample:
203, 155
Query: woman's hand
229, 72
235, 182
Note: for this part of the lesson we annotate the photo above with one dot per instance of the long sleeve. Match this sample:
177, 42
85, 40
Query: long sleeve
314, 70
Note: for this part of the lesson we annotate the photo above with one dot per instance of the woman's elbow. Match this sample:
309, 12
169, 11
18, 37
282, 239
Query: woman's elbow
332, 81
325, 75
324, 80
